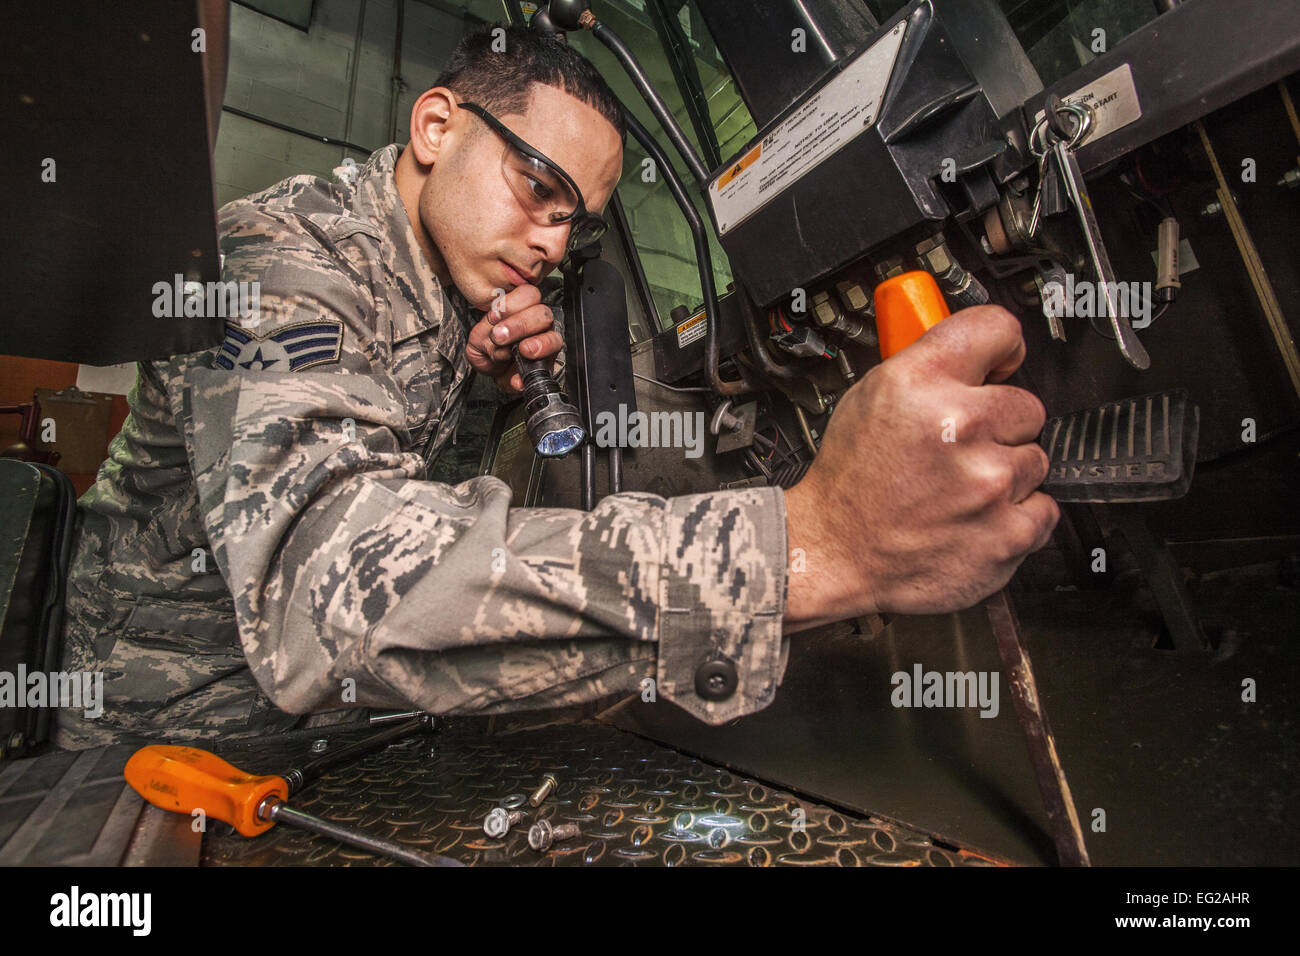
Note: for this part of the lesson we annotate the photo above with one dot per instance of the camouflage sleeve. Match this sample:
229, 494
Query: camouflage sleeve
357, 582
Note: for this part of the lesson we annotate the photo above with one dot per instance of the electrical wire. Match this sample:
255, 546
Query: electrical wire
774, 444
769, 443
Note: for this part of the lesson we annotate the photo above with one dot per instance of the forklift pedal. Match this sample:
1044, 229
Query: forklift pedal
1137, 449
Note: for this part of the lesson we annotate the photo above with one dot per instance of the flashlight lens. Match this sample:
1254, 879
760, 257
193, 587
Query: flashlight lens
561, 442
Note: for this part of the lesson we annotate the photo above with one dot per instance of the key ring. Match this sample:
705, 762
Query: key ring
1081, 111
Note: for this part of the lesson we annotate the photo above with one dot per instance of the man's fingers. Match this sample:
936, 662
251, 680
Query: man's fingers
506, 304
480, 338
1013, 415
997, 475
977, 345
541, 346
521, 325
1029, 465
1039, 512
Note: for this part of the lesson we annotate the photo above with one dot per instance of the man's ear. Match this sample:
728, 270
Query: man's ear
429, 123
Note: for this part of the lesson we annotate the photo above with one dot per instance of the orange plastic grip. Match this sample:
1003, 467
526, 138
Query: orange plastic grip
906, 307
183, 779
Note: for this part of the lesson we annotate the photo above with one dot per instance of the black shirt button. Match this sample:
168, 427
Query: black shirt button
716, 680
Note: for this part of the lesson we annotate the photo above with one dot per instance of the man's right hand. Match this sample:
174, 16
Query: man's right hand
923, 497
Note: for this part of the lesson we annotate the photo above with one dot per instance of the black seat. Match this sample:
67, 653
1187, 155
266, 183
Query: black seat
36, 527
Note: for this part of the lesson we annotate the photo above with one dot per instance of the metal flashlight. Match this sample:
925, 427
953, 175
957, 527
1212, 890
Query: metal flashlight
554, 426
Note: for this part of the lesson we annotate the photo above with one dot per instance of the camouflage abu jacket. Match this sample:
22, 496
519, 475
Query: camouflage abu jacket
261, 542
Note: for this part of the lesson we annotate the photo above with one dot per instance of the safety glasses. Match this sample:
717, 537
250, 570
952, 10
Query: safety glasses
547, 193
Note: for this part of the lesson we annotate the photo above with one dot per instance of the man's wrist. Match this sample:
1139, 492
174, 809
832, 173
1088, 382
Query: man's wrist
821, 580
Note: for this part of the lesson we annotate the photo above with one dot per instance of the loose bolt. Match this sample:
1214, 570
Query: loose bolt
499, 821
541, 834
541, 793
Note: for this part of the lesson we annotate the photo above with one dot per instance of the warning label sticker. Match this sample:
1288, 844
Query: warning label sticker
690, 330
843, 109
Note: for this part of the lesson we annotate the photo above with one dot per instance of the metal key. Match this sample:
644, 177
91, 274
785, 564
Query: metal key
1050, 198
1129, 346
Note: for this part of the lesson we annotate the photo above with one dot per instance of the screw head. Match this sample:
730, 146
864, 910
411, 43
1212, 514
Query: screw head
319, 746
497, 823
540, 835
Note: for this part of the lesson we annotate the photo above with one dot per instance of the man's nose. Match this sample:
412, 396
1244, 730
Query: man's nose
550, 242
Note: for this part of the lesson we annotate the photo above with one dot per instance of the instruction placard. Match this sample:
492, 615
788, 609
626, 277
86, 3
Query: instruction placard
826, 122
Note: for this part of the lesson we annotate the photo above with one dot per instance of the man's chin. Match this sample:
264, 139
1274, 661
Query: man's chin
478, 292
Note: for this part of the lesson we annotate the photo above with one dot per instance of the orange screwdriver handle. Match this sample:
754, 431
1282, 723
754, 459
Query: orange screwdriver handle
907, 306
183, 779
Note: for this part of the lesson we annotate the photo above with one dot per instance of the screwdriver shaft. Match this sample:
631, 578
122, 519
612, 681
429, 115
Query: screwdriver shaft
283, 813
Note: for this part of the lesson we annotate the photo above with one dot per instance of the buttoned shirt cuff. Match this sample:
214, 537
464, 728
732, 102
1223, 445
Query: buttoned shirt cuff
722, 600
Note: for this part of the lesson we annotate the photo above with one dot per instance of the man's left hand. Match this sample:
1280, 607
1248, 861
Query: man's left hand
516, 317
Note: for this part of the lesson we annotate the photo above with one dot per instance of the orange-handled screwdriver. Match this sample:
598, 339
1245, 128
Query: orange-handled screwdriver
185, 779
907, 306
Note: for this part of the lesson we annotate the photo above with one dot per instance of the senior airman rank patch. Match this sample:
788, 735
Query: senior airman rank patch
290, 348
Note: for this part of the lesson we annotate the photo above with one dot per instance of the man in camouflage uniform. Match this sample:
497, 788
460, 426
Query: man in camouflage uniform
264, 541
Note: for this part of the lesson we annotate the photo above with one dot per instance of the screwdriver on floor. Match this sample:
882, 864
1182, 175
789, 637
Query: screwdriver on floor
184, 779
907, 306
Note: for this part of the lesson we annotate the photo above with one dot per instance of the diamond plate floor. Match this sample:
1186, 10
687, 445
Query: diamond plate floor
636, 803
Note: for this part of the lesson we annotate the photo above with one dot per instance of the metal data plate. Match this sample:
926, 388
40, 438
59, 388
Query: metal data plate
637, 803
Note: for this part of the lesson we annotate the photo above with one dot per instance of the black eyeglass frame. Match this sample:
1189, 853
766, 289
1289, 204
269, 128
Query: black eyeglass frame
581, 214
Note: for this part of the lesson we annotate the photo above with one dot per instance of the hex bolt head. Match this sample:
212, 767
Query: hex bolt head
825, 309
853, 295
541, 834
499, 821
541, 793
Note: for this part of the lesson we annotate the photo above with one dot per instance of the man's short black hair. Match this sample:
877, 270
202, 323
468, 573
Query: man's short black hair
497, 66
